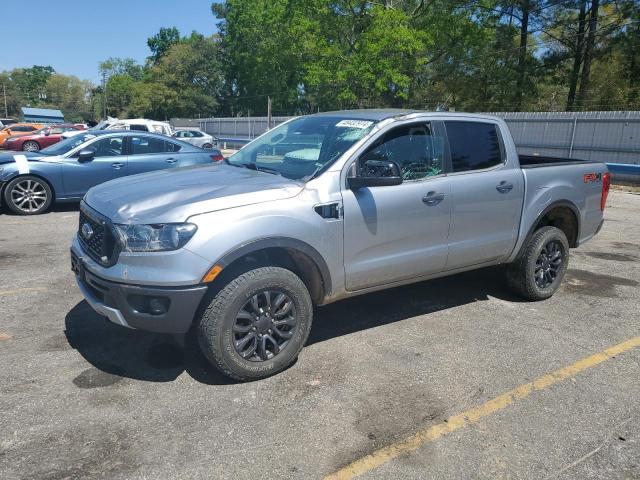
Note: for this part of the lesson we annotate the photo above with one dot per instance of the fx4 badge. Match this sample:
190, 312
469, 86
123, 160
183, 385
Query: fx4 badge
592, 177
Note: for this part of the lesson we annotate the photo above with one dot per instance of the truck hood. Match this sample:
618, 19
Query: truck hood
174, 195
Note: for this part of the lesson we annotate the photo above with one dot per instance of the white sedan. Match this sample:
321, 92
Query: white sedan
196, 138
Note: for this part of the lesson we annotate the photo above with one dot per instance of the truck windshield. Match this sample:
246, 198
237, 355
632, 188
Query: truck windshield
303, 147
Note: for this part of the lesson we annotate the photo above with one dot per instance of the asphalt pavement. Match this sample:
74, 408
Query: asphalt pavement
452, 378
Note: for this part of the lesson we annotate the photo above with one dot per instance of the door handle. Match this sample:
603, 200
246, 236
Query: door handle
171, 160
504, 187
117, 165
433, 198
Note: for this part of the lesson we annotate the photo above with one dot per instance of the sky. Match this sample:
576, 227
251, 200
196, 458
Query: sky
74, 36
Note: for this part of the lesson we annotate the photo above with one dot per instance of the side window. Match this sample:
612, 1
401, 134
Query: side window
473, 145
108, 147
138, 127
181, 134
413, 147
196, 134
144, 145
57, 130
171, 147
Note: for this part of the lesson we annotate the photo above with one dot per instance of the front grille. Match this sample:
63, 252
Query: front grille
100, 244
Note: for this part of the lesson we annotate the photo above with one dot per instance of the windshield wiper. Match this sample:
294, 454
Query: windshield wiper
253, 166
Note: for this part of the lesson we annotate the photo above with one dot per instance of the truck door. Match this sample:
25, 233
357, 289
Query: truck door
394, 233
487, 194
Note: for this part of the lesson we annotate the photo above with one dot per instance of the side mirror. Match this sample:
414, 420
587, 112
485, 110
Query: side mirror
376, 173
86, 155
47, 133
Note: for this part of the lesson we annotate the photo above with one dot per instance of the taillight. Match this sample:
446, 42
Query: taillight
217, 157
606, 183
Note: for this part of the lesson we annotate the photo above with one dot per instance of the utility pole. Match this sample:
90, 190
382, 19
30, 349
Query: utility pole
268, 113
104, 94
4, 92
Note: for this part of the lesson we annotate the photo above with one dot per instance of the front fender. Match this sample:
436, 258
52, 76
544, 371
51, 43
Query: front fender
226, 235
50, 172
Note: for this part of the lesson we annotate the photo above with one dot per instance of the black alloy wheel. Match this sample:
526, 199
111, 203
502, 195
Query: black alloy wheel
548, 264
264, 325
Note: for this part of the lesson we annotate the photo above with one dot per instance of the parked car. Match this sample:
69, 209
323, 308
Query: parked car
43, 138
5, 122
30, 182
138, 124
323, 208
195, 137
18, 129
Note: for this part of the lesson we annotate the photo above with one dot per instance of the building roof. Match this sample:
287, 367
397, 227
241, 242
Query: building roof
41, 112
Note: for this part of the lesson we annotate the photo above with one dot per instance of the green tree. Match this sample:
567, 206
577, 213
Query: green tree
161, 42
30, 82
191, 68
69, 94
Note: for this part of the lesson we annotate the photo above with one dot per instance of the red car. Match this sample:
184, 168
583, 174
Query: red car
40, 138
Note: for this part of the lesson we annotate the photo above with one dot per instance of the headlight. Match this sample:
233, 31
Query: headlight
155, 238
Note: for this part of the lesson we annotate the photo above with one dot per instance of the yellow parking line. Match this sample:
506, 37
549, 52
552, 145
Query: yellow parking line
456, 422
22, 290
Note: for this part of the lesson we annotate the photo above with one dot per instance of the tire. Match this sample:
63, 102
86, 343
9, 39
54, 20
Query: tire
540, 268
17, 199
207, 146
31, 146
229, 319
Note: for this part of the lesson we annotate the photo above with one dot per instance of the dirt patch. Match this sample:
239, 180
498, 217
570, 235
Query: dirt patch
613, 257
583, 282
9, 258
56, 343
4, 336
94, 378
96, 452
626, 246
387, 415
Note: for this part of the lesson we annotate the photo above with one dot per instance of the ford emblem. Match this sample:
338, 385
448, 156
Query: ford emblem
87, 231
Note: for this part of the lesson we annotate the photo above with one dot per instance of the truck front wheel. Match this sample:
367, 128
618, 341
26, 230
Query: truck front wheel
540, 268
256, 325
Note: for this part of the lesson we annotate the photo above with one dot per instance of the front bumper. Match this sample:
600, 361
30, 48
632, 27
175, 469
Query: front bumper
151, 308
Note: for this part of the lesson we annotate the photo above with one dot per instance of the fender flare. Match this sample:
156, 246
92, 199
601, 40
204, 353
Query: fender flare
559, 203
280, 242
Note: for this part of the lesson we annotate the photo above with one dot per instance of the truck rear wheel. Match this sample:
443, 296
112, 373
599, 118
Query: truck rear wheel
256, 325
539, 270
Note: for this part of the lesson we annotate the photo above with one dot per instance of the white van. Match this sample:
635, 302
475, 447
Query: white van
141, 124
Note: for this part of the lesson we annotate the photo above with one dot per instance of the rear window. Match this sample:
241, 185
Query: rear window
474, 145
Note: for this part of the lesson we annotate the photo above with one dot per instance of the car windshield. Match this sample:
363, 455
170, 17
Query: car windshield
303, 147
64, 146
103, 125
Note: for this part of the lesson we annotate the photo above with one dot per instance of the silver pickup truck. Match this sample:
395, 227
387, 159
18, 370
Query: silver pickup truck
321, 208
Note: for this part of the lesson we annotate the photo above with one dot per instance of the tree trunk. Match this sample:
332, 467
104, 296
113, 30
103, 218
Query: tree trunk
522, 56
577, 56
583, 92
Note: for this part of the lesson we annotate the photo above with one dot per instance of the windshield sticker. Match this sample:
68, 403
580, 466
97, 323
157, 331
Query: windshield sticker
354, 123
23, 164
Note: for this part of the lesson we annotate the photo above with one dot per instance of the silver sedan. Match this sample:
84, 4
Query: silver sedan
196, 138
